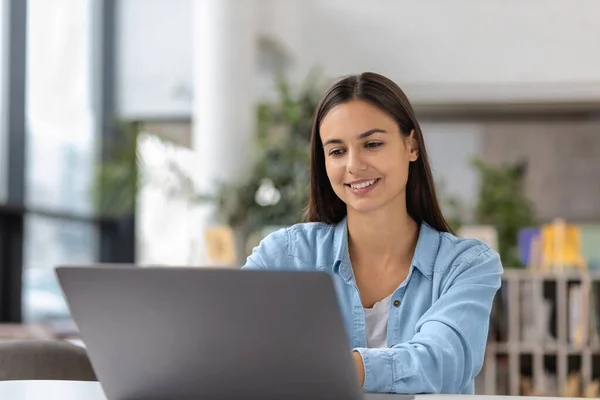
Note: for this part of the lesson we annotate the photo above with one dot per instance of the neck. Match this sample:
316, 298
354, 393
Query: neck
383, 239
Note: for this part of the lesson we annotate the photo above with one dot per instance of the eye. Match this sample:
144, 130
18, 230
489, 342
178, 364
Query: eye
336, 152
373, 144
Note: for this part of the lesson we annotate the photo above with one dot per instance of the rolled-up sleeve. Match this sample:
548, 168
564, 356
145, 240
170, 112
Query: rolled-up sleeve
448, 348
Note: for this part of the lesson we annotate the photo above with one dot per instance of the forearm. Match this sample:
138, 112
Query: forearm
434, 364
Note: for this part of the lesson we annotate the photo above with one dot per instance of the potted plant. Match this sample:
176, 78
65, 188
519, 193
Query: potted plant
274, 193
502, 203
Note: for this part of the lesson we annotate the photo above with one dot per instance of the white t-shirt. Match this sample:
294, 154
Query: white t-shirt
376, 320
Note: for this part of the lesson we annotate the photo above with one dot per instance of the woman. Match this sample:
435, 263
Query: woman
415, 299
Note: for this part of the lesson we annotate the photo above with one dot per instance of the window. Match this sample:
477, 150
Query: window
49, 242
56, 64
61, 151
3, 94
61, 140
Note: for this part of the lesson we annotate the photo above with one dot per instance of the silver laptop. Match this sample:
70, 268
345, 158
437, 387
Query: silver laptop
209, 333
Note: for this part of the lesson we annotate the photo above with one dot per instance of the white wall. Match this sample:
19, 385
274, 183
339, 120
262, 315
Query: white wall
449, 148
281, 21
534, 49
154, 58
438, 50
155, 45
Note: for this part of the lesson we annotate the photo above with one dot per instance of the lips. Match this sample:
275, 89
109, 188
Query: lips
363, 186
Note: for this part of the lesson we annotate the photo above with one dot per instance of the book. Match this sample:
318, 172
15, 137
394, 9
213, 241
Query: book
561, 246
528, 245
590, 244
221, 245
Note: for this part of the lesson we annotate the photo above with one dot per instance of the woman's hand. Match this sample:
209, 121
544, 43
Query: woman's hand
360, 368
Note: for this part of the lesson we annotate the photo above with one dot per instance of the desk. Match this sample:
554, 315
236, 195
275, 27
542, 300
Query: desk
51, 390
69, 390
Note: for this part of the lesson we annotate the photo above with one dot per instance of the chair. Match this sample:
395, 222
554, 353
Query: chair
34, 359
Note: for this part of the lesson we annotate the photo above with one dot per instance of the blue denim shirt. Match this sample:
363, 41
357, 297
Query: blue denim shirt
437, 330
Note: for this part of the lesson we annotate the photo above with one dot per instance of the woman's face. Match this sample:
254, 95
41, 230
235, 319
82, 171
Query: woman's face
366, 156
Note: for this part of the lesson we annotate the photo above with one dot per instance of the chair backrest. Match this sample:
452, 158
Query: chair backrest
34, 359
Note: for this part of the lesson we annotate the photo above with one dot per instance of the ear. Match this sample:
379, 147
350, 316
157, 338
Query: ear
413, 146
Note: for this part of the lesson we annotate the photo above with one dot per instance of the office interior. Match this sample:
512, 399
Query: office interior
176, 133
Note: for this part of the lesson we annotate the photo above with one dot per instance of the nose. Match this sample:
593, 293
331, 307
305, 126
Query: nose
355, 163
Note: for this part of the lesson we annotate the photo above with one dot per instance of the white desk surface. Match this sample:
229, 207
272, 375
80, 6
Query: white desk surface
69, 390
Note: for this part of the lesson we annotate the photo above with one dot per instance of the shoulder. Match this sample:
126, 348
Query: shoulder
310, 235
297, 242
458, 255
298, 237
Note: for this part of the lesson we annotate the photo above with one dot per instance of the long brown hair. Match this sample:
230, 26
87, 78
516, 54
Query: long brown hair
421, 199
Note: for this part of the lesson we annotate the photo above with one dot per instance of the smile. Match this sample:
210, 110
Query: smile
361, 186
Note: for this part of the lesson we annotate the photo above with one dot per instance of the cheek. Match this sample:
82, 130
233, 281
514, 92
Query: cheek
402, 173
334, 170
396, 169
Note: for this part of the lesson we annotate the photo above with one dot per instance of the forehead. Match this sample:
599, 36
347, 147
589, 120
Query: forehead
355, 117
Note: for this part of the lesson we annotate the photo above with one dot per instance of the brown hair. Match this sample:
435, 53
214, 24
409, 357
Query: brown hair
421, 200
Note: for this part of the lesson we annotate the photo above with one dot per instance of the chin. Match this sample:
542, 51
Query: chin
364, 207
374, 204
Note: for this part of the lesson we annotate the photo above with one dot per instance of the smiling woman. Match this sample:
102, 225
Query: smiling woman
363, 122
368, 170
415, 299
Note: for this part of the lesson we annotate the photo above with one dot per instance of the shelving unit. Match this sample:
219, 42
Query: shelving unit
544, 337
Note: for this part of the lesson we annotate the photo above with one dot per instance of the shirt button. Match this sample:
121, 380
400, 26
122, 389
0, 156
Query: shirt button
396, 303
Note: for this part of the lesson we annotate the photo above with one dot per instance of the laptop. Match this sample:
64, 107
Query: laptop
211, 333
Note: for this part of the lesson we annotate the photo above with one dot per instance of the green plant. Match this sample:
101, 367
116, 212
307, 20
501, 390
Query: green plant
502, 203
117, 179
274, 193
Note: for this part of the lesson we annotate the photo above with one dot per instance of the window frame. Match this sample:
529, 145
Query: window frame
116, 236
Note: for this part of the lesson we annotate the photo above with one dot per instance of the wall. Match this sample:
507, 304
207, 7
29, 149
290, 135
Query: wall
439, 51
154, 53
449, 147
563, 177
461, 49
456, 53
562, 153
154, 58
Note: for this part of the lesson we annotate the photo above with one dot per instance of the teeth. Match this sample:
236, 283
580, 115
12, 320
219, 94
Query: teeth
363, 185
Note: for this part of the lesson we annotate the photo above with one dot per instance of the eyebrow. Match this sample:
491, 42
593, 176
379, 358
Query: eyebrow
361, 136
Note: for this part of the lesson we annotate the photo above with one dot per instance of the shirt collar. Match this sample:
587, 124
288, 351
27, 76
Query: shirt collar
424, 258
427, 249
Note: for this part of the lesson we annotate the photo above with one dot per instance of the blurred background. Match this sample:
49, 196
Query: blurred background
176, 133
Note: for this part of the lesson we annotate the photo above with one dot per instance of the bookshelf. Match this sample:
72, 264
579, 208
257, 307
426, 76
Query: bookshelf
544, 335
